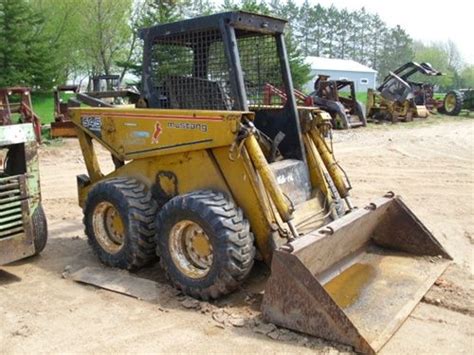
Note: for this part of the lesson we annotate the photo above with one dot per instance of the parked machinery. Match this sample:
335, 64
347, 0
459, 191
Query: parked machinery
16, 107
23, 228
62, 125
399, 99
106, 92
338, 97
207, 174
457, 100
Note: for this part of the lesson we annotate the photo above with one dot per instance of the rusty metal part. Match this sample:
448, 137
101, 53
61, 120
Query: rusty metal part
62, 125
338, 97
16, 234
356, 282
63, 129
191, 249
108, 227
17, 100
19, 191
400, 99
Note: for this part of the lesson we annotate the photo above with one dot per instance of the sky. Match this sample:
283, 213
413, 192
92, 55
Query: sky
427, 21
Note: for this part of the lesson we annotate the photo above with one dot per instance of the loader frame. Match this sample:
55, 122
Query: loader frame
205, 145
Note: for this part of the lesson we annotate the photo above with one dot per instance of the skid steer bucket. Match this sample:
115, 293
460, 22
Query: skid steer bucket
358, 278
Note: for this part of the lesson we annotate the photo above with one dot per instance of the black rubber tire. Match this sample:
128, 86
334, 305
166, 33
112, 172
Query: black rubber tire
361, 110
339, 121
40, 229
458, 106
228, 232
137, 209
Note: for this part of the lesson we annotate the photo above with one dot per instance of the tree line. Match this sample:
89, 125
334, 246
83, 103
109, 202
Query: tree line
43, 43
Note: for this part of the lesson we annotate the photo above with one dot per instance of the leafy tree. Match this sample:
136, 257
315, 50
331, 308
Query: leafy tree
396, 51
74, 38
467, 77
300, 71
60, 27
26, 57
104, 33
196, 8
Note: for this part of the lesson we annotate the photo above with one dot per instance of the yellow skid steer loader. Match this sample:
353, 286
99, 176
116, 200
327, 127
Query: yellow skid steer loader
208, 176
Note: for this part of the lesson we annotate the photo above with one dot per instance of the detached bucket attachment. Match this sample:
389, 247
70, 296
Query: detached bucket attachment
357, 279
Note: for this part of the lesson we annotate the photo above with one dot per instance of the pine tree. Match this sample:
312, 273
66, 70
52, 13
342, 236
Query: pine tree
318, 14
330, 37
304, 33
343, 24
377, 31
397, 50
25, 55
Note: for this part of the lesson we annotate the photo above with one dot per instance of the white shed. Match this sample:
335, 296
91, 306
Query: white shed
340, 69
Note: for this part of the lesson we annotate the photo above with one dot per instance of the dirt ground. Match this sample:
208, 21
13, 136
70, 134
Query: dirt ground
431, 164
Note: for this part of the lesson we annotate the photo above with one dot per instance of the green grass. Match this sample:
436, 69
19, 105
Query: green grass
360, 96
43, 106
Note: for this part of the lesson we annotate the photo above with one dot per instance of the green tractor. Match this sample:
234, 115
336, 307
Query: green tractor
23, 228
457, 100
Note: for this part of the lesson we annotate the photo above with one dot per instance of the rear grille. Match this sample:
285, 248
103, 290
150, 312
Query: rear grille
11, 220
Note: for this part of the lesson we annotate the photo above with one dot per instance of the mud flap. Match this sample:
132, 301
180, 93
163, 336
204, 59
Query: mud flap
357, 279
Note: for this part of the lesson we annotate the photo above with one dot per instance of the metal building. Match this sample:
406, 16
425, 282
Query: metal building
339, 69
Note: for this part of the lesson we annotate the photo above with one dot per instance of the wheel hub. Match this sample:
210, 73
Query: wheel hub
450, 102
191, 249
108, 227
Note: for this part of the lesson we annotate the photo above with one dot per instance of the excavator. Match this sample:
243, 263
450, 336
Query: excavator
210, 174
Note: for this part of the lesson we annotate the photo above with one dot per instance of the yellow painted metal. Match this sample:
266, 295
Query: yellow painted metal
450, 102
90, 158
170, 164
172, 171
249, 194
328, 159
258, 159
370, 104
140, 133
405, 110
108, 227
316, 167
191, 249
422, 111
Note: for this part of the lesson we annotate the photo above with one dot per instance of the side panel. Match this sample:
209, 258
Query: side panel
19, 192
171, 175
140, 133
